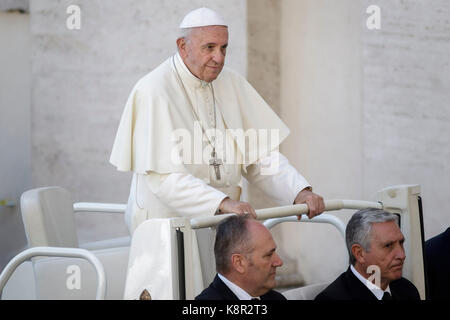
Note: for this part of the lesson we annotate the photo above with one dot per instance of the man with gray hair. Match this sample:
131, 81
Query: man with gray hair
375, 246
246, 262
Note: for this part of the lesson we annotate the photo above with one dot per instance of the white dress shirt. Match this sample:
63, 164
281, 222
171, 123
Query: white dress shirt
377, 291
238, 291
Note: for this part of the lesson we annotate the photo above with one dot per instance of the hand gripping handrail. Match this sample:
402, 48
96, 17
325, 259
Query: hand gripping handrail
56, 252
286, 211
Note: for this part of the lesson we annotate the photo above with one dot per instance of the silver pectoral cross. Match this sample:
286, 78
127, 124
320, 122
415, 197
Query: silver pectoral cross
216, 163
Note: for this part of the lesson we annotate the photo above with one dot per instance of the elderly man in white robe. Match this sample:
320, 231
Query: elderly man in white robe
192, 95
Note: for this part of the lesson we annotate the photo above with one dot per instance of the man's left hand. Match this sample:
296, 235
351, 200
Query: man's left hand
314, 202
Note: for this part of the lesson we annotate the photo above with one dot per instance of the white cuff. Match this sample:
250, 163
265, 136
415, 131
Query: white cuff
188, 195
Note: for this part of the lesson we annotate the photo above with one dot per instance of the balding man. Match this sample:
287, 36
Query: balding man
246, 262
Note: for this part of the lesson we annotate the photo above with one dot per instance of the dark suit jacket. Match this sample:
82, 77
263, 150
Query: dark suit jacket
218, 290
437, 251
348, 287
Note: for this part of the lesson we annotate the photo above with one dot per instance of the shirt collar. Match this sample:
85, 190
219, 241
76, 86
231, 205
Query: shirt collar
187, 75
377, 291
238, 291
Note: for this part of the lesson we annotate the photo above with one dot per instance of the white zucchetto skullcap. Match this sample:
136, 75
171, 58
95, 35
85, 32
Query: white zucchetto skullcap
202, 17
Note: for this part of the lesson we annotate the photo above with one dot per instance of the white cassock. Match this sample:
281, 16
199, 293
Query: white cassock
170, 102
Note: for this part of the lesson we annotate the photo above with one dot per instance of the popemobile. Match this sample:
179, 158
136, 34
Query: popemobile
156, 262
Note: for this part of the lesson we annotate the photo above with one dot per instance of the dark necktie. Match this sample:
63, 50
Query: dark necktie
386, 296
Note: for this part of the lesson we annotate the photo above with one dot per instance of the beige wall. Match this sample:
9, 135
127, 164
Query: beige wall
367, 109
15, 142
321, 103
306, 64
264, 21
406, 111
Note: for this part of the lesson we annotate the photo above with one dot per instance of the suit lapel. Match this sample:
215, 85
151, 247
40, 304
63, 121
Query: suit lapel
356, 288
221, 287
271, 295
398, 291
394, 292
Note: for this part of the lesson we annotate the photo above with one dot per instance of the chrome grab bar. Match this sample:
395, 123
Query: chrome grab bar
323, 218
56, 252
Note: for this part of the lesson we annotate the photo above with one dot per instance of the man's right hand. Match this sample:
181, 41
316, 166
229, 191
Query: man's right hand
230, 206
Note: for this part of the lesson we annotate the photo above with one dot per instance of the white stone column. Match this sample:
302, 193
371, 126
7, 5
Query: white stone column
321, 104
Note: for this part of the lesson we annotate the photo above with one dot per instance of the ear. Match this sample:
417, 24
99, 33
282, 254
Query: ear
238, 262
359, 253
181, 45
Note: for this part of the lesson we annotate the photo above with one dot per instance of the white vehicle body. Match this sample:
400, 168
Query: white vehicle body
159, 257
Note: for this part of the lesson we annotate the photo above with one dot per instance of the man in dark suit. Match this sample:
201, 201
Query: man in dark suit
437, 252
375, 246
246, 262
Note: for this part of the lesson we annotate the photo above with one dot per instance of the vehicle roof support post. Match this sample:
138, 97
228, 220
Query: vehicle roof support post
184, 226
404, 200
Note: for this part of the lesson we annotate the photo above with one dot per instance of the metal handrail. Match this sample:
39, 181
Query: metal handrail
56, 252
323, 218
99, 207
286, 211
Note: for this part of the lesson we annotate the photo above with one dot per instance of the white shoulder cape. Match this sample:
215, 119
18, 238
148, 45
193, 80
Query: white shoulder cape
157, 107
